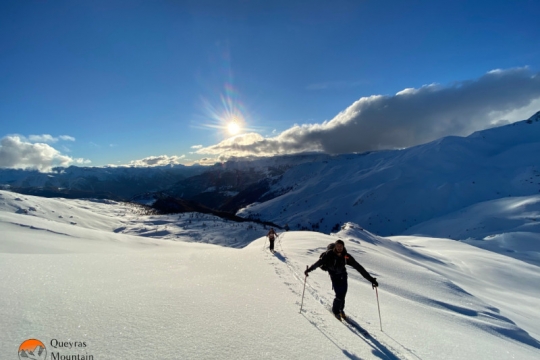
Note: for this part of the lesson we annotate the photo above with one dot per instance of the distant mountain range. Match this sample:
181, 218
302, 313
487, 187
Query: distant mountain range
227, 187
388, 192
117, 183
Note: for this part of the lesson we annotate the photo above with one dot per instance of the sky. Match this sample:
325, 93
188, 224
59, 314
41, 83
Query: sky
97, 83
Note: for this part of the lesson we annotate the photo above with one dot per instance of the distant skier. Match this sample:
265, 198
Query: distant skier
334, 261
272, 236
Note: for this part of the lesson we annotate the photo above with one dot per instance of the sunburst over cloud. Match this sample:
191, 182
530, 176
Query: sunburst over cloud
229, 118
411, 117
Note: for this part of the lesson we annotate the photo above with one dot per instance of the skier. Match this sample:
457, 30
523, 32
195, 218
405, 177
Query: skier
272, 236
334, 260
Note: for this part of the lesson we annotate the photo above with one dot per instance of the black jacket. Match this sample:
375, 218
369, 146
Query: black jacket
336, 264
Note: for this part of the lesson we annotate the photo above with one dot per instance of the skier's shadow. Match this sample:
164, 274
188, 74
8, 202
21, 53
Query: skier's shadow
280, 257
379, 349
345, 352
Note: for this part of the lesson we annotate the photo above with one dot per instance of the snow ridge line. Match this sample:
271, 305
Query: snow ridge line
391, 352
32, 227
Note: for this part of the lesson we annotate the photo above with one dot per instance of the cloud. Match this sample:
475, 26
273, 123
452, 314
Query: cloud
158, 160
82, 161
16, 152
411, 117
196, 146
207, 161
46, 138
42, 138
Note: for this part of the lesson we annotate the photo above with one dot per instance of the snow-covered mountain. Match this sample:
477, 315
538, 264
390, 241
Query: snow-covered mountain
237, 182
396, 192
157, 287
213, 186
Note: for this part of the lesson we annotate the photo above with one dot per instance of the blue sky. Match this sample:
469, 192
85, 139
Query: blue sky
146, 82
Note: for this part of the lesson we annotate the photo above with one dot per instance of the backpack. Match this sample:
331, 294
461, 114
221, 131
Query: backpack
329, 248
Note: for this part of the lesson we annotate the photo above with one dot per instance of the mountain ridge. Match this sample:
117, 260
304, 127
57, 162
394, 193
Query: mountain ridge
379, 190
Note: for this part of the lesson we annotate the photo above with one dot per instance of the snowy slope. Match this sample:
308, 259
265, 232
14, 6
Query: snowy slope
159, 296
118, 217
510, 226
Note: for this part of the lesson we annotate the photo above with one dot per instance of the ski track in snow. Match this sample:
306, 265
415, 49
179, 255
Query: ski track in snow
323, 320
475, 312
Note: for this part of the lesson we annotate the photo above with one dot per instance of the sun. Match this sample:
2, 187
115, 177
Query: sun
233, 128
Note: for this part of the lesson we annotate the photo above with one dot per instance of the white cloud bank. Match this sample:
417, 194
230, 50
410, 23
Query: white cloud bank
18, 153
411, 117
160, 160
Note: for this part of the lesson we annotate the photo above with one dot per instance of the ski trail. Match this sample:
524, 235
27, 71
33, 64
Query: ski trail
315, 318
379, 348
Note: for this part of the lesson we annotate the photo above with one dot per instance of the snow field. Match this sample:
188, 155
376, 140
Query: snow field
130, 296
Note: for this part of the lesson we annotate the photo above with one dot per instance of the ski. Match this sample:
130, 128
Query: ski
355, 327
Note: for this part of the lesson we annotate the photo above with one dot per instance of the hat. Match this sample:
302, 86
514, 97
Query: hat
339, 241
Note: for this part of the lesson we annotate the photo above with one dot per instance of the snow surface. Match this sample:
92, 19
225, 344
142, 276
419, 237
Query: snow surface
136, 286
510, 226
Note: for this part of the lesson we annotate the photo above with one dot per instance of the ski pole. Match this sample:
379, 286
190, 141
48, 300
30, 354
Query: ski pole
377, 293
302, 304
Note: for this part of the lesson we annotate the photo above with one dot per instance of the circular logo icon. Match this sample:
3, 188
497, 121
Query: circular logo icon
32, 349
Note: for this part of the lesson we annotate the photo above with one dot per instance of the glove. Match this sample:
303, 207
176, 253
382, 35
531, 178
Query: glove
306, 272
374, 283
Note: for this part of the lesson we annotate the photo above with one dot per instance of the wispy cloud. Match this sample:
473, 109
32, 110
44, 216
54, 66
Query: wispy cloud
411, 117
42, 138
46, 138
18, 153
196, 146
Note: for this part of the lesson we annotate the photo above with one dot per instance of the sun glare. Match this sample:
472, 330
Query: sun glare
233, 128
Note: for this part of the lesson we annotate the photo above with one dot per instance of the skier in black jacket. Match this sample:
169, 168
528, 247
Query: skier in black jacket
272, 236
335, 260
